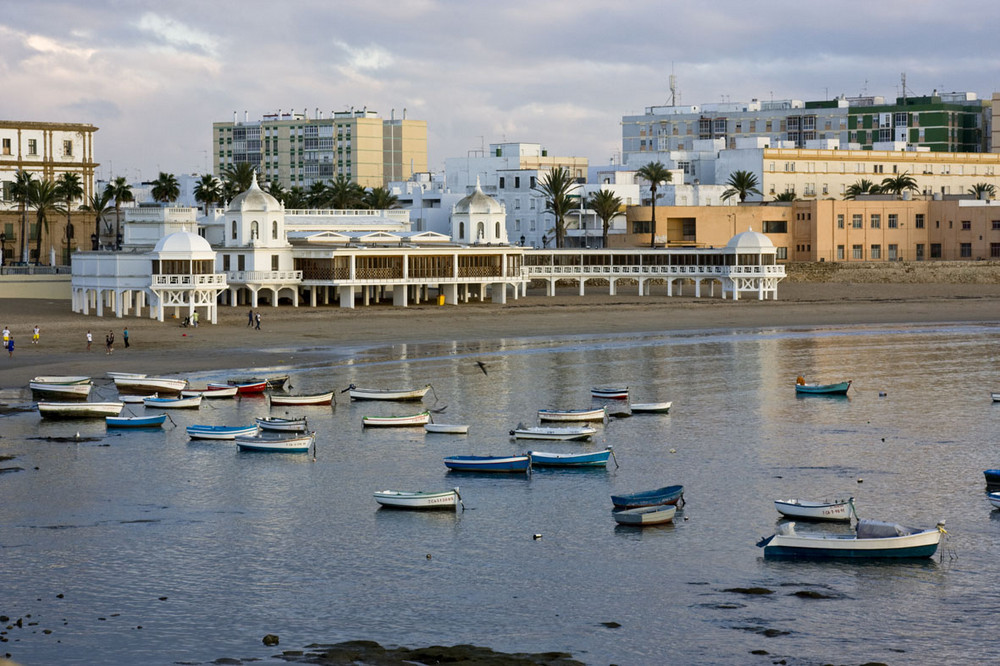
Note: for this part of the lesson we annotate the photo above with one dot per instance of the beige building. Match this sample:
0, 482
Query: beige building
297, 151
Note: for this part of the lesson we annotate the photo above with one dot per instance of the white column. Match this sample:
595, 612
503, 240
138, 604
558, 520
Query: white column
451, 294
347, 297
399, 295
499, 292
582, 281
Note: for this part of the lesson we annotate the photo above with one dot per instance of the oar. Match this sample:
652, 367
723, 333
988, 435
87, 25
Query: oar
613, 457
169, 418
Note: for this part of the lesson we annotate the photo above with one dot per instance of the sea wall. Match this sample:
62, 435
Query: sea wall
48, 287
896, 272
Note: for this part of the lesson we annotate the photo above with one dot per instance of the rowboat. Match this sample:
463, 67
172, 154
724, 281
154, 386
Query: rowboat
839, 388
573, 414
217, 391
992, 477
269, 382
487, 463
173, 403
131, 375
609, 392
61, 379
396, 421
65, 391
161, 385
665, 495
152, 421
387, 394
645, 515
79, 410
447, 428
219, 431
872, 539
995, 396
296, 400
293, 444
994, 499
278, 424
809, 510
241, 389
592, 459
652, 407
566, 434
409, 499
136, 399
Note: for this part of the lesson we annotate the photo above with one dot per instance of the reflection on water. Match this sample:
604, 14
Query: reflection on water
208, 549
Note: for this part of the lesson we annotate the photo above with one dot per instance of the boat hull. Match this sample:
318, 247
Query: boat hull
559, 434
651, 407
241, 389
61, 379
217, 391
839, 388
572, 414
487, 463
447, 428
992, 477
173, 403
610, 392
135, 421
220, 432
282, 425
911, 546
269, 382
807, 510
645, 515
665, 495
66, 391
160, 385
410, 421
297, 400
593, 459
403, 499
79, 410
277, 444
388, 394
994, 499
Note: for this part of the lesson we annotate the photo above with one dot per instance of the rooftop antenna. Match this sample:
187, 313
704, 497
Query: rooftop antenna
673, 90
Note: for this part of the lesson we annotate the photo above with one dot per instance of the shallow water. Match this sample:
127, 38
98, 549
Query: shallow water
208, 549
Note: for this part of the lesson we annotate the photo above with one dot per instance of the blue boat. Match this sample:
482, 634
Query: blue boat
488, 463
665, 495
592, 459
992, 477
219, 431
839, 388
154, 421
872, 540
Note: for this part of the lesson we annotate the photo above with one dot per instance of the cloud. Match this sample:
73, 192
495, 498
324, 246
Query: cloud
368, 58
176, 35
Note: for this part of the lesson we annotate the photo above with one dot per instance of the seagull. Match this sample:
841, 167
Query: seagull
482, 366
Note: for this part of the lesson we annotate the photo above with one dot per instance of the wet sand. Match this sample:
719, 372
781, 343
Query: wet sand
288, 334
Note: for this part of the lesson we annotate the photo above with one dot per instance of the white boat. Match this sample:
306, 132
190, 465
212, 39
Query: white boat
573, 414
61, 379
872, 540
220, 432
294, 444
995, 396
210, 392
609, 392
277, 424
810, 510
67, 391
646, 515
410, 499
173, 403
567, 433
994, 499
160, 385
136, 399
420, 419
79, 410
387, 394
447, 428
653, 407
300, 400
132, 375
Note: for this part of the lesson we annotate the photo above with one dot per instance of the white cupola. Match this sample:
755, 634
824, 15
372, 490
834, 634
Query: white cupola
479, 219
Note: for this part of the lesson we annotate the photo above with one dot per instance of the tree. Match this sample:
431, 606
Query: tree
98, 204
379, 198
741, 184
20, 191
983, 190
208, 190
785, 196
275, 189
44, 197
296, 198
69, 190
318, 195
606, 205
654, 173
863, 186
898, 184
344, 193
557, 187
121, 192
165, 188
237, 178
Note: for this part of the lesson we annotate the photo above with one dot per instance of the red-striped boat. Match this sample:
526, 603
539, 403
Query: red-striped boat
244, 389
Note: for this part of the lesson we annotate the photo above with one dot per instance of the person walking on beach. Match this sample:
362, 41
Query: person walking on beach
109, 342
6, 336
10, 347
250, 318
90, 339
34, 335
258, 321
125, 338
194, 318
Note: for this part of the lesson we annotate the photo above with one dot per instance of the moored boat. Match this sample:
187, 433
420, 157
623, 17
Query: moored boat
447, 428
387, 394
591, 459
488, 463
567, 433
132, 375
995, 396
151, 421
809, 510
160, 385
872, 540
839, 388
306, 400
665, 495
408, 421
573, 414
275, 382
249, 388
278, 424
992, 477
212, 391
271, 444
173, 403
651, 407
61, 379
66, 391
645, 515
410, 499
609, 392
219, 431
994, 499
136, 399
79, 410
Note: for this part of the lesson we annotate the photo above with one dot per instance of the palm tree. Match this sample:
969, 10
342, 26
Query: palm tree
318, 194
655, 174
208, 190
606, 205
20, 191
165, 188
863, 186
983, 190
296, 198
785, 196
557, 187
70, 190
379, 198
238, 177
898, 184
741, 184
121, 192
44, 197
275, 189
344, 193
98, 204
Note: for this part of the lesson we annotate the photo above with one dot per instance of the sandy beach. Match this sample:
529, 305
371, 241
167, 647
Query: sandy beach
168, 348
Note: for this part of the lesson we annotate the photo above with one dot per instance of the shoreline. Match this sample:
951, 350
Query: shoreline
286, 332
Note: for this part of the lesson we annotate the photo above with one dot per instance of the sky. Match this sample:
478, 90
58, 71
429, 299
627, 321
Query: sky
154, 76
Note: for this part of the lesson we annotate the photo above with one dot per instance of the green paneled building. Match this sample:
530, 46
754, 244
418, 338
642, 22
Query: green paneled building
953, 123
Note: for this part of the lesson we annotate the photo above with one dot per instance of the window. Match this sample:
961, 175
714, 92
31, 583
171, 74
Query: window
775, 227
840, 253
641, 226
67, 149
532, 185
241, 262
996, 225
935, 250
920, 251
840, 220
857, 221
893, 221
461, 230
502, 180
876, 252
497, 231
274, 230
274, 262
876, 221
966, 225
965, 250
893, 252
918, 220
32, 146
234, 229
517, 181
225, 262
994, 250
781, 253
857, 252
6, 146
254, 230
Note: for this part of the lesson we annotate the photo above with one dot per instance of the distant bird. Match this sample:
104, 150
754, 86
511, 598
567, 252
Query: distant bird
482, 366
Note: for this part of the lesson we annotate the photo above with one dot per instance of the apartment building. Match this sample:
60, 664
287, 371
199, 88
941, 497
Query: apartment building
297, 151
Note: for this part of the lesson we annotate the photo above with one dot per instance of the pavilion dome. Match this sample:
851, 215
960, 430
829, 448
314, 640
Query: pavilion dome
254, 200
478, 203
183, 245
750, 240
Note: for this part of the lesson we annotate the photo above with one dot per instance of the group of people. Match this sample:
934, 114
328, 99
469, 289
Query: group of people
8, 338
253, 319
109, 341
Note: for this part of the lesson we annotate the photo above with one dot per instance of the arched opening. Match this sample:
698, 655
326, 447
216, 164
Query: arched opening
274, 230
254, 230
480, 231
497, 232
234, 229
461, 230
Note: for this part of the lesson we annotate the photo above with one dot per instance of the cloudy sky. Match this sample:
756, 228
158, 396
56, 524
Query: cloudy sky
154, 76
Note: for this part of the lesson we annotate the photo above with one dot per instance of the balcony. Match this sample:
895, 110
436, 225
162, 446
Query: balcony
264, 277
169, 281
